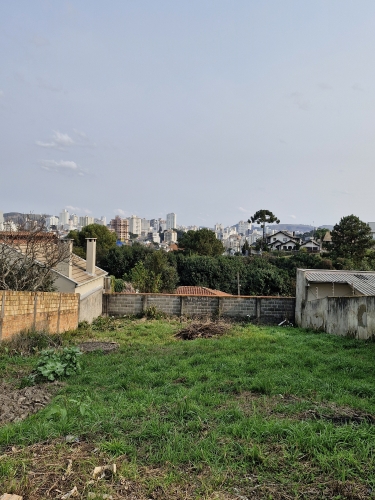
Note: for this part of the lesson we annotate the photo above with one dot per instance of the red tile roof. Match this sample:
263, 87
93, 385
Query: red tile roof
199, 290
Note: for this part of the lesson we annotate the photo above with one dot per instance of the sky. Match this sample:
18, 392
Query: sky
212, 109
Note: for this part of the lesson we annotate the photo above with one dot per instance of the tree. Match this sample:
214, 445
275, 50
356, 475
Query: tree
106, 240
351, 238
246, 248
320, 233
28, 257
264, 217
201, 242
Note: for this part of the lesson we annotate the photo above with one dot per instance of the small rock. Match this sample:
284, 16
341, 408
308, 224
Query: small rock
70, 494
104, 471
7, 496
71, 439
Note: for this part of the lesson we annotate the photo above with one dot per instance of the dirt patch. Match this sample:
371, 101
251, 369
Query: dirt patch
17, 404
52, 469
203, 330
105, 347
283, 406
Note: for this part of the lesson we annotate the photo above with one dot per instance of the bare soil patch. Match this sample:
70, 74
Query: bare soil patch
203, 330
17, 404
105, 347
53, 469
278, 405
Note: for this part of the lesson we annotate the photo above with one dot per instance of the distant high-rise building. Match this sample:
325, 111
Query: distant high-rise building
1, 221
171, 221
135, 225
64, 217
170, 236
86, 220
145, 225
121, 228
243, 227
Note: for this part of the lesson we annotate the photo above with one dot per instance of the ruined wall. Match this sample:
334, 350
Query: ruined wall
43, 311
270, 310
346, 316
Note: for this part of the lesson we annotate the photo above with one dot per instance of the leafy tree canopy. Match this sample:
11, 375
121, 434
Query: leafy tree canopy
106, 240
351, 238
201, 242
264, 217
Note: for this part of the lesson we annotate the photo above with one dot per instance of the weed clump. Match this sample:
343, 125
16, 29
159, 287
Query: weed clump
28, 343
53, 365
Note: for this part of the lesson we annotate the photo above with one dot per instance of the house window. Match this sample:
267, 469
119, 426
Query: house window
285, 239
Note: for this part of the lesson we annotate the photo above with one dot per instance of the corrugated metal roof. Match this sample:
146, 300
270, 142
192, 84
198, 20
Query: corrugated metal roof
363, 282
199, 290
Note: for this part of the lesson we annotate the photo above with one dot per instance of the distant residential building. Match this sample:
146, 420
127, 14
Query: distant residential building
145, 226
86, 221
75, 220
135, 225
243, 227
1, 221
52, 222
121, 228
64, 217
102, 221
283, 240
372, 227
311, 246
171, 221
170, 236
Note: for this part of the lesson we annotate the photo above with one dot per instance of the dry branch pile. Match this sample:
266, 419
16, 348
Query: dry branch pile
203, 330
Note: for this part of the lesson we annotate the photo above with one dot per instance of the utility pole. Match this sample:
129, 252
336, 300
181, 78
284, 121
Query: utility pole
238, 284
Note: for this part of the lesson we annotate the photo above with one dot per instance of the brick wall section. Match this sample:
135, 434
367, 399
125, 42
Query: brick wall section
42, 311
267, 310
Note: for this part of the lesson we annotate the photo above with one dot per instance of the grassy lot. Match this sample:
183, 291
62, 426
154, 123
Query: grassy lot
260, 412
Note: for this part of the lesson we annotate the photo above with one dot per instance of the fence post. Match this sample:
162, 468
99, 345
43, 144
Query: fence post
2, 314
35, 309
58, 315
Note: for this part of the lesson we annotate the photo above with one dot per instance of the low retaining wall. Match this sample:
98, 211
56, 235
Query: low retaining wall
346, 316
43, 311
268, 310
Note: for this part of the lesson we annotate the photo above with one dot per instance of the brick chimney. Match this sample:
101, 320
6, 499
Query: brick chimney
90, 255
65, 266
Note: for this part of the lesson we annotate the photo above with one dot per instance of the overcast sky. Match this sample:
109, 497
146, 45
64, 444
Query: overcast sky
212, 109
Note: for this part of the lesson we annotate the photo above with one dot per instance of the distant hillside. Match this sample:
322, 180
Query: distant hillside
18, 217
303, 228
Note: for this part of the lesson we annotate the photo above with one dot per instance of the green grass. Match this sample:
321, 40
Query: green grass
218, 408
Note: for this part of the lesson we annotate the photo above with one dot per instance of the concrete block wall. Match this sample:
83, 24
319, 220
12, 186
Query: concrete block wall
346, 316
43, 311
268, 310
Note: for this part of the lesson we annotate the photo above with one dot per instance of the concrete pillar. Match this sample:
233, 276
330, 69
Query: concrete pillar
90, 255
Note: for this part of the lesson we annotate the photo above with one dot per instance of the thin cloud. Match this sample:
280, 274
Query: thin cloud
62, 141
62, 167
48, 86
1, 94
293, 216
337, 191
357, 87
241, 209
58, 141
325, 86
78, 209
119, 211
299, 100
